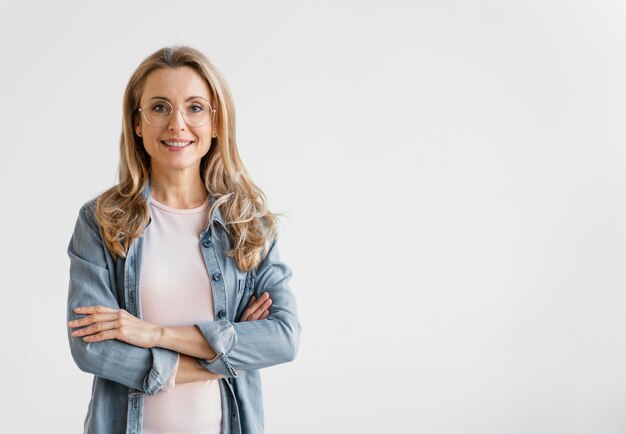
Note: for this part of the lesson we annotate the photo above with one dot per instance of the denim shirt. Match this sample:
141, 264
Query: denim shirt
124, 373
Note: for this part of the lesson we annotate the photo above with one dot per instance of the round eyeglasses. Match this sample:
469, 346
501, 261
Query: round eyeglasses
196, 113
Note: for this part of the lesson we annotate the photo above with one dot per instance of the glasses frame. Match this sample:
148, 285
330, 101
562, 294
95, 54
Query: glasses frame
142, 110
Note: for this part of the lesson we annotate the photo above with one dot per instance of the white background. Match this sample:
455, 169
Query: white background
453, 176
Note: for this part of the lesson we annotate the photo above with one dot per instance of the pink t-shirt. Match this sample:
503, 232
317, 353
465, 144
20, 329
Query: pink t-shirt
176, 290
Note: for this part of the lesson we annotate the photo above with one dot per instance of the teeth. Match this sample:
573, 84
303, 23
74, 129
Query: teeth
176, 144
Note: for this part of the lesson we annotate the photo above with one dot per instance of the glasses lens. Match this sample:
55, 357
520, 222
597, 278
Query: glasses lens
158, 113
197, 113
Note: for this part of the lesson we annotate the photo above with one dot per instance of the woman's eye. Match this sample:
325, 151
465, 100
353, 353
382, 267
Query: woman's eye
159, 108
195, 108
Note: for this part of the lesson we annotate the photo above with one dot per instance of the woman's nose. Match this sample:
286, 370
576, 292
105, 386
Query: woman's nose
177, 122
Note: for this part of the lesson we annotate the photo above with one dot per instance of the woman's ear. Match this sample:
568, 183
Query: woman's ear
138, 128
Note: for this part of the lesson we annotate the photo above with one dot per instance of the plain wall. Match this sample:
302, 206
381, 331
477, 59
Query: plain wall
453, 180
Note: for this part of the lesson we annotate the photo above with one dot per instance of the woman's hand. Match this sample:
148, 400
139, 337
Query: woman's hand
257, 308
107, 323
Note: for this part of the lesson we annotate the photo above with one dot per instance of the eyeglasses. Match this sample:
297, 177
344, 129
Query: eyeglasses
196, 113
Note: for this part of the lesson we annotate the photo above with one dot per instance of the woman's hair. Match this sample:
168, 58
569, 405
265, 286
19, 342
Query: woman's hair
122, 211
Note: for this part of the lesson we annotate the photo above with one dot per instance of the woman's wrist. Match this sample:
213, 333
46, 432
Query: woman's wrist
159, 331
185, 340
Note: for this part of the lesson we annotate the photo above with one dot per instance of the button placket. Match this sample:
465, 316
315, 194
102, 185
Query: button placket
131, 291
129, 279
208, 247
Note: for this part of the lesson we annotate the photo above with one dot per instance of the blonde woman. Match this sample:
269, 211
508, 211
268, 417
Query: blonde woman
177, 295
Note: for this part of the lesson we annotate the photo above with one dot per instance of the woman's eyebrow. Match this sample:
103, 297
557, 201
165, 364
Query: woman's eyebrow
159, 97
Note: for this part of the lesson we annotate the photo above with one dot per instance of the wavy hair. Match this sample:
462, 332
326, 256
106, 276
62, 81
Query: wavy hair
122, 211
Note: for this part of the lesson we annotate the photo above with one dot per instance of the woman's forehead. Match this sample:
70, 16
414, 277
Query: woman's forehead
175, 84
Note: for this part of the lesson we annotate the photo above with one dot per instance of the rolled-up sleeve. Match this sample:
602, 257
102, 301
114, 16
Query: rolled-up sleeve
258, 344
146, 370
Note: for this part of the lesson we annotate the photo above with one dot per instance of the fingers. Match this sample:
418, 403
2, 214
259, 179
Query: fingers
96, 328
102, 336
98, 320
255, 303
92, 319
261, 311
87, 310
257, 308
246, 313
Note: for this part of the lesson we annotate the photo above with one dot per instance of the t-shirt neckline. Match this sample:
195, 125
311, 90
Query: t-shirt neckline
173, 210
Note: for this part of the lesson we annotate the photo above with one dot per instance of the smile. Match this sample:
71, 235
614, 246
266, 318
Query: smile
175, 144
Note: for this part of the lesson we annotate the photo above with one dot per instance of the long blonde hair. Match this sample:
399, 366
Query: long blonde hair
122, 211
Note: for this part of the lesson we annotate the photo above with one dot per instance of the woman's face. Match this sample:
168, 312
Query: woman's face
174, 147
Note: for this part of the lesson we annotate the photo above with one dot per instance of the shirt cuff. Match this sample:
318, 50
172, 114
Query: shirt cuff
223, 339
163, 361
171, 382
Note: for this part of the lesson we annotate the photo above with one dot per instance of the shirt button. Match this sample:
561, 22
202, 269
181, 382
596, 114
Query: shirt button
206, 243
221, 314
217, 276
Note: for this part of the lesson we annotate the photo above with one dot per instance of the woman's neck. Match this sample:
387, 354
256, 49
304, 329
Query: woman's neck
178, 191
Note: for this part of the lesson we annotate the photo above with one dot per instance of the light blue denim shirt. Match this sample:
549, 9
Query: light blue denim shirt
124, 373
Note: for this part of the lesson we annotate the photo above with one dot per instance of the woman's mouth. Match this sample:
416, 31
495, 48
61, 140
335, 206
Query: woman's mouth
176, 144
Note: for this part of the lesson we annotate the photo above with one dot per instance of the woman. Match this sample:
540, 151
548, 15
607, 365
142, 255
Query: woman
177, 294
